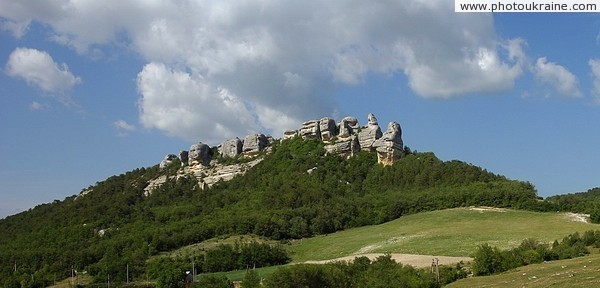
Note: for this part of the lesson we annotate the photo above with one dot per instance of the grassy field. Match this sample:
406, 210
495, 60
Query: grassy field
211, 244
578, 272
72, 282
453, 232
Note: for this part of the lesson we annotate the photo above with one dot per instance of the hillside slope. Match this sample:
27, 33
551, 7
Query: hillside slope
451, 232
296, 191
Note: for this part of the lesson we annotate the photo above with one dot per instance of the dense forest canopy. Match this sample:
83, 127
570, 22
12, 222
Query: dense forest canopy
296, 191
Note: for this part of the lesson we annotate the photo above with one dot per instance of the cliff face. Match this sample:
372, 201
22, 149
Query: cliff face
345, 138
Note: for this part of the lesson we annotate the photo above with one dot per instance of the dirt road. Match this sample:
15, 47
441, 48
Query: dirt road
417, 261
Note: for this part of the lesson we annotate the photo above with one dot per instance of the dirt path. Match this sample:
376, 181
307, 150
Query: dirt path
417, 261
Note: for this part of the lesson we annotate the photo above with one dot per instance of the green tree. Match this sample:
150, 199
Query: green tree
251, 279
169, 278
213, 281
488, 260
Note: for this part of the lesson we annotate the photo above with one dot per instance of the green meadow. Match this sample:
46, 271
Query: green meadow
452, 232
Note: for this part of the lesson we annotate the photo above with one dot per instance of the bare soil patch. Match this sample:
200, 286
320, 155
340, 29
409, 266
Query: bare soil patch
578, 217
487, 209
417, 261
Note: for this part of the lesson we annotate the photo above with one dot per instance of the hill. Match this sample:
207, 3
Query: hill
296, 191
451, 232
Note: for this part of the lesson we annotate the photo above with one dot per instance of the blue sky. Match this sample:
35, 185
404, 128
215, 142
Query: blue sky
90, 90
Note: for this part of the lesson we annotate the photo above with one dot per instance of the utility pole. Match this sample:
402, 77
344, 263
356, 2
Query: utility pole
436, 264
127, 273
193, 271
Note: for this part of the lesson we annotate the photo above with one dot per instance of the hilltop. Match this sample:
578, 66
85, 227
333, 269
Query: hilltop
346, 138
293, 188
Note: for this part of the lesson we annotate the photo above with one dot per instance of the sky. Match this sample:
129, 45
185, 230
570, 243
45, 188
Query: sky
91, 89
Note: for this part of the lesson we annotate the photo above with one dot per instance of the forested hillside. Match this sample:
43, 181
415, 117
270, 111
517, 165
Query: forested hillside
296, 191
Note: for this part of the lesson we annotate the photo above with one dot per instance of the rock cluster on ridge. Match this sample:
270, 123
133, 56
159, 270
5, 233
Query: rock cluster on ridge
347, 137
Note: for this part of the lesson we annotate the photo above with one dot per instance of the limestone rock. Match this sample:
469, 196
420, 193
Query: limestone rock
327, 128
345, 147
352, 122
231, 148
210, 175
287, 134
348, 126
199, 154
167, 160
310, 130
254, 144
390, 146
369, 133
183, 156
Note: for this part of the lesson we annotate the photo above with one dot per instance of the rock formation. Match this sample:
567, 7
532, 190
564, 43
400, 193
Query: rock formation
167, 160
184, 157
346, 138
254, 144
390, 147
348, 126
370, 133
287, 134
199, 154
310, 130
231, 148
327, 128
344, 146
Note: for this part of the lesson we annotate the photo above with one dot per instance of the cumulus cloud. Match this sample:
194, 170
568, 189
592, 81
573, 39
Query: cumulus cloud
231, 67
123, 127
182, 105
595, 66
558, 77
38, 69
36, 106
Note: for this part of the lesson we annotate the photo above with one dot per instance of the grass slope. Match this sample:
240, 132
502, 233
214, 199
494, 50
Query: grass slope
578, 272
452, 232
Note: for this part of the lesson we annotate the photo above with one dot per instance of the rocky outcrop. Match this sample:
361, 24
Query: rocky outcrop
345, 147
287, 134
254, 144
167, 160
199, 154
369, 133
327, 128
347, 138
390, 147
348, 126
184, 157
210, 175
231, 148
310, 130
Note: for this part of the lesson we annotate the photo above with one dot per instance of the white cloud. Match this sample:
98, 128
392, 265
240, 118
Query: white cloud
123, 127
176, 102
36, 106
558, 77
595, 66
38, 69
238, 66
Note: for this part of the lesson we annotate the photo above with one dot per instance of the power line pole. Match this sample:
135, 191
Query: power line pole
127, 273
193, 271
